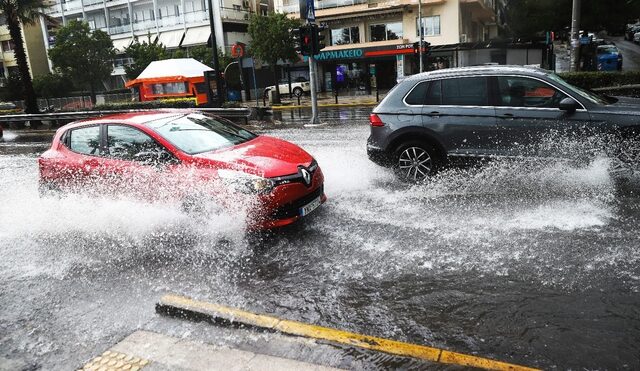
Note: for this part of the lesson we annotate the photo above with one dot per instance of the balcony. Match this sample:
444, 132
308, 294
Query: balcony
196, 17
92, 2
144, 26
169, 21
72, 5
233, 15
115, 30
323, 4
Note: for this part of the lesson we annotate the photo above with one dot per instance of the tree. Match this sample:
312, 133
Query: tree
271, 40
52, 85
203, 54
25, 12
84, 55
143, 54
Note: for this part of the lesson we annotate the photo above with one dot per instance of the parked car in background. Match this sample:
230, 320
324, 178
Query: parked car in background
630, 31
432, 119
609, 58
297, 87
189, 157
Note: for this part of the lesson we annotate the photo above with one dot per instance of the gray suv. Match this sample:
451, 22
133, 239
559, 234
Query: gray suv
432, 119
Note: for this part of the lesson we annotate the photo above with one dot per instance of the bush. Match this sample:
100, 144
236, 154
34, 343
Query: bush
155, 104
592, 80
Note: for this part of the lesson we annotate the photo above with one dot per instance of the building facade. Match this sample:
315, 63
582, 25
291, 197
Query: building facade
370, 43
33, 37
177, 24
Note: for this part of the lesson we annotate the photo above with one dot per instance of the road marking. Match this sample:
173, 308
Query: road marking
112, 361
180, 305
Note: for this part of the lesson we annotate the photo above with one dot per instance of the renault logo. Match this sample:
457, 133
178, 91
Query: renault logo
306, 176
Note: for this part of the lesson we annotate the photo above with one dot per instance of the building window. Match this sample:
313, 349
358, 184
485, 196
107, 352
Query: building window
388, 31
430, 26
237, 7
349, 35
8, 45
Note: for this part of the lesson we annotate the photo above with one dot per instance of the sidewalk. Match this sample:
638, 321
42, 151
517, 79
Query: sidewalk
156, 352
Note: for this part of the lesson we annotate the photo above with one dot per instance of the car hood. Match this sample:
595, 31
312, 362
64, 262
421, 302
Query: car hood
264, 156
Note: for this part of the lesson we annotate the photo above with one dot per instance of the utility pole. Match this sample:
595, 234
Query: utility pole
216, 64
421, 33
314, 93
575, 37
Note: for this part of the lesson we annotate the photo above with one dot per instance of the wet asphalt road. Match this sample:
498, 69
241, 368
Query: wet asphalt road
525, 262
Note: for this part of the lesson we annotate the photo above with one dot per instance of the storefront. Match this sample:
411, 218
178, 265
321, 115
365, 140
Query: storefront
362, 69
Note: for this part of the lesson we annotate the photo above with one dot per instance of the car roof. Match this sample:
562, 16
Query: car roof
478, 70
132, 118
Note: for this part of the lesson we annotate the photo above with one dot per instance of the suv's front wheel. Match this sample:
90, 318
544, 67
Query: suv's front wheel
416, 161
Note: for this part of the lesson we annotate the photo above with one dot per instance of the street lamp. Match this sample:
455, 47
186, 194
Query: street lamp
217, 101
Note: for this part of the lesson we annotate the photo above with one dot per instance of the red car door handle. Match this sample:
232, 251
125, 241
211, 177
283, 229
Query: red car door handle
91, 162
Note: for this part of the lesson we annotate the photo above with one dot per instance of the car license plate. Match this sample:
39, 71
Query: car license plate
308, 208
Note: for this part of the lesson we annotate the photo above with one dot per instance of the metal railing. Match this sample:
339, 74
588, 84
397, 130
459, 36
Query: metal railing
144, 25
193, 17
72, 5
115, 30
169, 21
235, 14
294, 7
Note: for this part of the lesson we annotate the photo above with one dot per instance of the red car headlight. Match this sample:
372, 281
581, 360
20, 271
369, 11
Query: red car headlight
245, 182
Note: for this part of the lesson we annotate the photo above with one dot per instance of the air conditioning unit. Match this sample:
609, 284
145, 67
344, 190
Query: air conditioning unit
463, 38
245, 3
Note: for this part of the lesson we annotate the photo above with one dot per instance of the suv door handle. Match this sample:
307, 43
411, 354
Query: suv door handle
434, 114
507, 116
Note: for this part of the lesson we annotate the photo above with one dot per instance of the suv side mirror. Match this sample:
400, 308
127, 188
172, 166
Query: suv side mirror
569, 105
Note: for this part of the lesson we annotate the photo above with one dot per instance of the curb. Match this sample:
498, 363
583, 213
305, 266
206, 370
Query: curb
362, 104
184, 307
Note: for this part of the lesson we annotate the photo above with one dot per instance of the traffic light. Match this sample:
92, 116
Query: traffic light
317, 33
306, 43
296, 33
302, 40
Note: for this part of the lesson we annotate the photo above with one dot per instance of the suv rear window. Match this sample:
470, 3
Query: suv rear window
416, 96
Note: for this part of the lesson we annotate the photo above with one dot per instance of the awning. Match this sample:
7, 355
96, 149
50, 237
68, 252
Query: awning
196, 36
121, 44
171, 39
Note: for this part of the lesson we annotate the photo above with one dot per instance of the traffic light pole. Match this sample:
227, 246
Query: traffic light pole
575, 37
420, 30
314, 92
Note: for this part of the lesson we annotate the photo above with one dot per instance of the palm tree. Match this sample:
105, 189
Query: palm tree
19, 12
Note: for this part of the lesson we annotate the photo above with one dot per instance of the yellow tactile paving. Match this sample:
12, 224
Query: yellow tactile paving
115, 361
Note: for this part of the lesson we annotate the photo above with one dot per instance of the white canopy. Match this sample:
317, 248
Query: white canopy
186, 67
196, 36
171, 39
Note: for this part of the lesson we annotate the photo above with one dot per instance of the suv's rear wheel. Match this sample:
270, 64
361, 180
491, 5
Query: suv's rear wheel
416, 161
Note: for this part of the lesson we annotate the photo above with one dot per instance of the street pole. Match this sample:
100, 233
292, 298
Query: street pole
575, 37
314, 93
216, 65
421, 32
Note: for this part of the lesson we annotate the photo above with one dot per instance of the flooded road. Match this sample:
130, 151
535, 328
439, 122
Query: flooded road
534, 263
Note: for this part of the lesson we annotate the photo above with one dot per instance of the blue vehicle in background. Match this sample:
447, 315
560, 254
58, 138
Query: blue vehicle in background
609, 58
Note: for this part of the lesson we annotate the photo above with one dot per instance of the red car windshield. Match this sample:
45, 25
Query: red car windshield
195, 133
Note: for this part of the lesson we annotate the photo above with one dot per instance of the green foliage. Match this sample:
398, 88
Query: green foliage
52, 85
174, 103
203, 54
178, 53
272, 39
14, 89
84, 55
593, 80
143, 54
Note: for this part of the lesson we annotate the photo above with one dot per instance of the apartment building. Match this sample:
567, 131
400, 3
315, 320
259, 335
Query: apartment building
33, 37
370, 42
177, 24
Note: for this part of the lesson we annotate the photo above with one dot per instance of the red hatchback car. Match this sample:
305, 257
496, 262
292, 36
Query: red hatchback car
185, 155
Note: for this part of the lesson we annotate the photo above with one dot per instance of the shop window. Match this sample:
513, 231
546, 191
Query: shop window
430, 26
349, 35
8, 45
388, 31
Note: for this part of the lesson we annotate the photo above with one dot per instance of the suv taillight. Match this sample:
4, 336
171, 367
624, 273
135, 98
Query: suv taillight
374, 120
